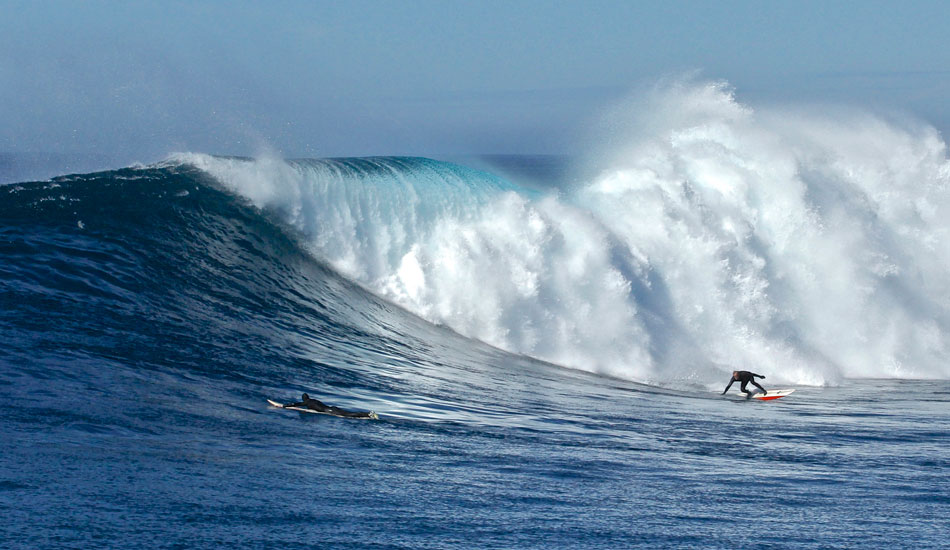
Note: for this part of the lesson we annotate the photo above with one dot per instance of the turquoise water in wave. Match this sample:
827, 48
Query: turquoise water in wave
147, 314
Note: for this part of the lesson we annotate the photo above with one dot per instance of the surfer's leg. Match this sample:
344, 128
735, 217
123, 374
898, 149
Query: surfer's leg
756, 384
349, 414
747, 393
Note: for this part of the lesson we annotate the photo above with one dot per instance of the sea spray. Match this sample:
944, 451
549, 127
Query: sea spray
792, 242
806, 244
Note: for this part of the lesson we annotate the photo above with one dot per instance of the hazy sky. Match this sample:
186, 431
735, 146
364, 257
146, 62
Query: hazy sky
309, 78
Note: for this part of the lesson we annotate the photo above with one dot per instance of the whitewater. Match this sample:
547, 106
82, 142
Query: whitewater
545, 348
808, 245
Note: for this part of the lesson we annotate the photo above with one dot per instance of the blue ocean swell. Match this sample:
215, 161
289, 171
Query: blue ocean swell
123, 264
159, 270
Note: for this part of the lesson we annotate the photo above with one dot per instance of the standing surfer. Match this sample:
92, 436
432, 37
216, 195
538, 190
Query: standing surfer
745, 377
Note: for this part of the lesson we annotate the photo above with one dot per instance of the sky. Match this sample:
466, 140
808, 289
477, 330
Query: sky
138, 80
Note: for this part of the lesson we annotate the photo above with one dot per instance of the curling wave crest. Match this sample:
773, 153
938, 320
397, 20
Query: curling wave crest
810, 244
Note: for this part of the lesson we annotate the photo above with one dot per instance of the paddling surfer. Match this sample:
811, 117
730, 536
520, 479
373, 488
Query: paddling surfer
308, 402
745, 377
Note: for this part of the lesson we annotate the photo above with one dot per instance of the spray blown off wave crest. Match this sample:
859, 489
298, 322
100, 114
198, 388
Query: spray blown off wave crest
807, 245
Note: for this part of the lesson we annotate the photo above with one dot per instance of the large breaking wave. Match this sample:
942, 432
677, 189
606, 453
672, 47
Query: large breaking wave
810, 244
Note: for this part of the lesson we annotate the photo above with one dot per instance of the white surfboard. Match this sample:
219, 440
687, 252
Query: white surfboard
771, 394
372, 414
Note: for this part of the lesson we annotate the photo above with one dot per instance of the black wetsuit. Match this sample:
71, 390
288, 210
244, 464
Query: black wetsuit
745, 377
315, 405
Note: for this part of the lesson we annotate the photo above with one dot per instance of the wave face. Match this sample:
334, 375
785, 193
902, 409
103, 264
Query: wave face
809, 244
146, 314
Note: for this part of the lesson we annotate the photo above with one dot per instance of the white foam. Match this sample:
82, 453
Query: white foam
805, 245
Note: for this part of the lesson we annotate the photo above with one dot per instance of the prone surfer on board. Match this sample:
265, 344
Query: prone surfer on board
308, 402
745, 377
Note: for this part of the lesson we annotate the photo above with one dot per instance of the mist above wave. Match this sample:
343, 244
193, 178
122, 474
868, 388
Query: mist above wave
808, 244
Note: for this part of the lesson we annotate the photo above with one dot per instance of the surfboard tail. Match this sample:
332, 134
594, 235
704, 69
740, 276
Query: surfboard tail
772, 394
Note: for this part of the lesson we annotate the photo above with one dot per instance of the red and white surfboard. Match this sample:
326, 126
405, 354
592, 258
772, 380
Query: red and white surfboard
771, 394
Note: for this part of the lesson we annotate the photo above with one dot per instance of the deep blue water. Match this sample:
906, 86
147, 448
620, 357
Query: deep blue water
147, 314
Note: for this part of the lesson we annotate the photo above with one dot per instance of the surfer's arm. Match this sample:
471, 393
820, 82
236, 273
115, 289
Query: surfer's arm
754, 375
727, 387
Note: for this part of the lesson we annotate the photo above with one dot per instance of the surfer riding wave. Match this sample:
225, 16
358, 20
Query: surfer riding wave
745, 377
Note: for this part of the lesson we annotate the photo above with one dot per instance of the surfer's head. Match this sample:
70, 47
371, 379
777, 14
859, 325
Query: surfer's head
735, 374
305, 397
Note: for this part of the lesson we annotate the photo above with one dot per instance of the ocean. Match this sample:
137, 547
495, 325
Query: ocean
545, 342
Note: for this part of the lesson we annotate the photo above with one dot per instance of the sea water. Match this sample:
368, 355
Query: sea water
544, 340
